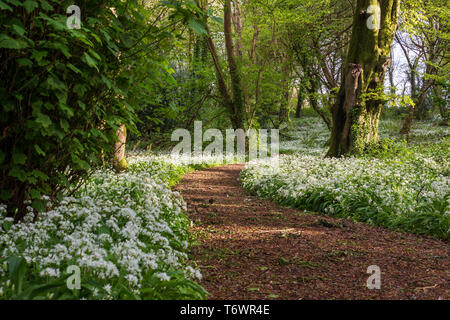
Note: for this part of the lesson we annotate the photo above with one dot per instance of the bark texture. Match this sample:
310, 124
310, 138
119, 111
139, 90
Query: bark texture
234, 101
357, 109
120, 162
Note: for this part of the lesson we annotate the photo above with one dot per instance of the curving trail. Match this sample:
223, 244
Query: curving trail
250, 248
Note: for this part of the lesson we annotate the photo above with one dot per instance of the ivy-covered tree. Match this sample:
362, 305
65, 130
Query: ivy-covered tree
357, 110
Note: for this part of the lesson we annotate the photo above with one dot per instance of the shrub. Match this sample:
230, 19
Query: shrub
65, 92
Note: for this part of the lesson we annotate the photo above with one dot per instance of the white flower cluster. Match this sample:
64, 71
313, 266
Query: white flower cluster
309, 135
365, 189
118, 227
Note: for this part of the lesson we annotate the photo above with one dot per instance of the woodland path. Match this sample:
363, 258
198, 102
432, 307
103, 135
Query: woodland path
248, 248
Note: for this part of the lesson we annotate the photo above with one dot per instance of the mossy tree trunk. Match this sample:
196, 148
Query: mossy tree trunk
356, 113
238, 113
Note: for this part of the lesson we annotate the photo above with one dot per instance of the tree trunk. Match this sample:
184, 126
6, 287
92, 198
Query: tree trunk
409, 117
233, 103
356, 115
300, 101
442, 103
237, 117
120, 163
313, 91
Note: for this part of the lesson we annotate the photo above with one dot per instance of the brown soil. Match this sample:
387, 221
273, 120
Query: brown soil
250, 248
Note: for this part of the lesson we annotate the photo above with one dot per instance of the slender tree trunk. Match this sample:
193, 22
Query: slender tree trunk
356, 117
300, 101
237, 117
120, 163
234, 103
313, 90
406, 128
254, 44
442, 104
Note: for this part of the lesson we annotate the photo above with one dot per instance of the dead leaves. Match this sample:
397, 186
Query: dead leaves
248, 248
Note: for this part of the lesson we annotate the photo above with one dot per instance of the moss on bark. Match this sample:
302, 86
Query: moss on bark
357, 110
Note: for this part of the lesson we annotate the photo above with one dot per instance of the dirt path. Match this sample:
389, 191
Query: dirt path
254, 249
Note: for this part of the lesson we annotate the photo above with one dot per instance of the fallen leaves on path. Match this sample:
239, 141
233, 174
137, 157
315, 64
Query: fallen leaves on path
248, 248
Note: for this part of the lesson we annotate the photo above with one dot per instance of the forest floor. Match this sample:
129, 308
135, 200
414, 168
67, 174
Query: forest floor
249, 248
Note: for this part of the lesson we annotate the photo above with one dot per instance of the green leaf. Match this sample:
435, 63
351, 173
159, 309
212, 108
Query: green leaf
73, 68
19, 29
4, 6
35, 194
39, 150
17, 268
196, 26
39, 174
46, 6
15, 2
2, 156
64, 125
38, 55
5, 195
90, 61
18, 173
7, 225
80, 89
54, 83
24, 62
44, 120
219, 20
8, 106
30, 5
38, 205
62, 48
11, 43
19, 158
39, 290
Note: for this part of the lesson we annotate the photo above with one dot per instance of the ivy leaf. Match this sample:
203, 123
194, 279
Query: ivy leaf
4, 6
